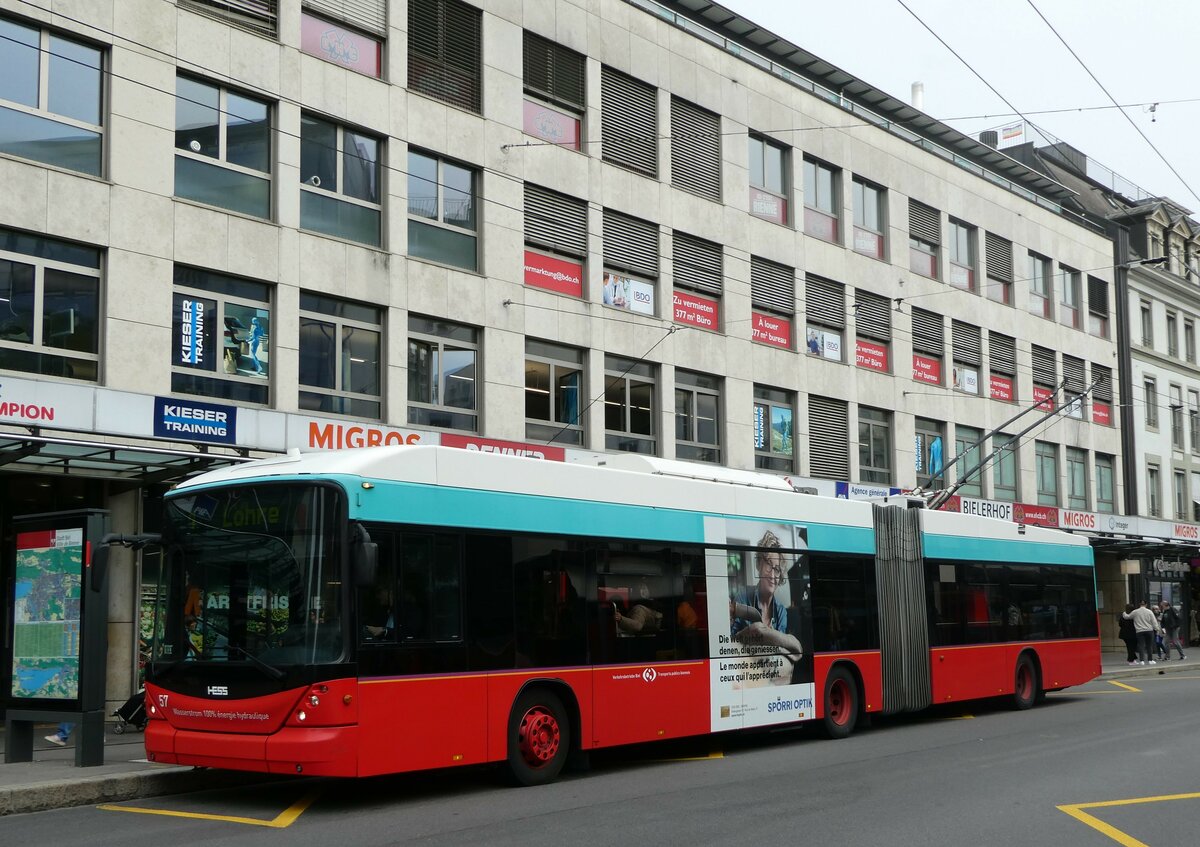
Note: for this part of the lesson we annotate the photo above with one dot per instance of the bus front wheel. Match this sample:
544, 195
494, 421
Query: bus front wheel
539, 738
841, 703
1026, 685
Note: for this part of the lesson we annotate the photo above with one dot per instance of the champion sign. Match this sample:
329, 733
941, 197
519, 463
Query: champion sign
195, 421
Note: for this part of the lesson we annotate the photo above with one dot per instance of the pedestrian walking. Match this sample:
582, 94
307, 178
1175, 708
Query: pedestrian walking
1171, 620
60, 738
1128, 634
1145, 625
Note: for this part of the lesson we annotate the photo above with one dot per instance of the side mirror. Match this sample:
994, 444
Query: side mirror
99, 566
364, 557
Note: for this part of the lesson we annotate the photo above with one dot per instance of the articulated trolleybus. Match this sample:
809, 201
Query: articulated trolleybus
400, 608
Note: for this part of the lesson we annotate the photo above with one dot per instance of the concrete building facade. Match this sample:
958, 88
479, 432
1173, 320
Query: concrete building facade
596, 226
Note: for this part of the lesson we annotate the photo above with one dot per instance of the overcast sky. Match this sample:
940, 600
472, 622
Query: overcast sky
1143, 53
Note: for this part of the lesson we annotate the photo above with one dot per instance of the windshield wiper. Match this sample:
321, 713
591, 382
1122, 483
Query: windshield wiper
270, 670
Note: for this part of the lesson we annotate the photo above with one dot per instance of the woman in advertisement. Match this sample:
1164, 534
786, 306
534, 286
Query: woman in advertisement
758, 619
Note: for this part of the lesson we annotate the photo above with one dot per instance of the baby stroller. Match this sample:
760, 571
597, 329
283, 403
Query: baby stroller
132, 713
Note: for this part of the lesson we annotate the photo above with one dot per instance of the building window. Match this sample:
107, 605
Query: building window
961, 272
443, 369
929, 449
825, 318
51, 98
1175, 393
630, 263
629, 408
772, 302
222, 148
1047, 473
444, 52
967, 343
873, 325
968, 452
1005, 475
769, 179
695, 150
1153, 491
210, 305
869, 224
339, 181
929, 346
1106, 500
698, 281
1097, 307
1000, 269
821, 191
828, 437
774, 429
1074, 385
924, 239
553, 390
1181, 496
555, 240
258, 16
697, 417
628, 122
1172, 335
1072, 297
1147, 324
874, 445
1196, 496
1194, 419
1002, 359
1189, 340
341, 349
555, 91
339, 45
1150, 398
49, 306
1077, 483
1041, 302
441, 211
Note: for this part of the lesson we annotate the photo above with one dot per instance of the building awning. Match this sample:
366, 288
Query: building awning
110, 458
1144, 548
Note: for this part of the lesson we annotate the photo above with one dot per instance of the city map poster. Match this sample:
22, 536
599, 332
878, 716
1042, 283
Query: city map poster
49, 579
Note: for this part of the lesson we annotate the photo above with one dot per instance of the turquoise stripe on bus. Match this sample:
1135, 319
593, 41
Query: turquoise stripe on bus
474, 509
960, 547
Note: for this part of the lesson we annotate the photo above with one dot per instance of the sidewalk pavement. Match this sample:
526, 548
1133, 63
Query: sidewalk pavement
51, 780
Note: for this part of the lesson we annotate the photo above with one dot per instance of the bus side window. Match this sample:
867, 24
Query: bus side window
376, 603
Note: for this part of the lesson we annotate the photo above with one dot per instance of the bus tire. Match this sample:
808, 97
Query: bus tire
841, 703
539, 737
1026, 685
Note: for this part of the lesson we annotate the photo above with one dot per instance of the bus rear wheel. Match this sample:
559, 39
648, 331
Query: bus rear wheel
539, 738
841, 703
1026, 685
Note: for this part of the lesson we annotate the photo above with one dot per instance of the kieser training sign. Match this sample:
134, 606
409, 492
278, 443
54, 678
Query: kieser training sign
191, 420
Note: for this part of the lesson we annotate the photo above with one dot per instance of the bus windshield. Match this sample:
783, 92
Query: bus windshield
253, 574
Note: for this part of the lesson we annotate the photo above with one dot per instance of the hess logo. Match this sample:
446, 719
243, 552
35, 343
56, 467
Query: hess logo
649, 674
218, 691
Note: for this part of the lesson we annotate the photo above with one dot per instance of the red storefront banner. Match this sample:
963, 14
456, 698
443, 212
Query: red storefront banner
507, 448
551, 125
553, 274
1036, 515
870, 355
927, 369
1043, 397
1000, 387
767, 206
343, 47
695, 310
771, 329
1101, 413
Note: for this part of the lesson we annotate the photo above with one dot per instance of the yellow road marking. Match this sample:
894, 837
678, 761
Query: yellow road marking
1075, 810
962, 718
717, 755
281, 821
1123, 685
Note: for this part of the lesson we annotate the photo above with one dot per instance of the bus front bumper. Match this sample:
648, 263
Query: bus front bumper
310, 751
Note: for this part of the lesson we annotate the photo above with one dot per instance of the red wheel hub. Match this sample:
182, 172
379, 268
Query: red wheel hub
538, 737
838, 706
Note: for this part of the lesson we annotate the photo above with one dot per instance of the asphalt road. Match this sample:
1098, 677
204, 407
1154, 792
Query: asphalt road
976, 775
